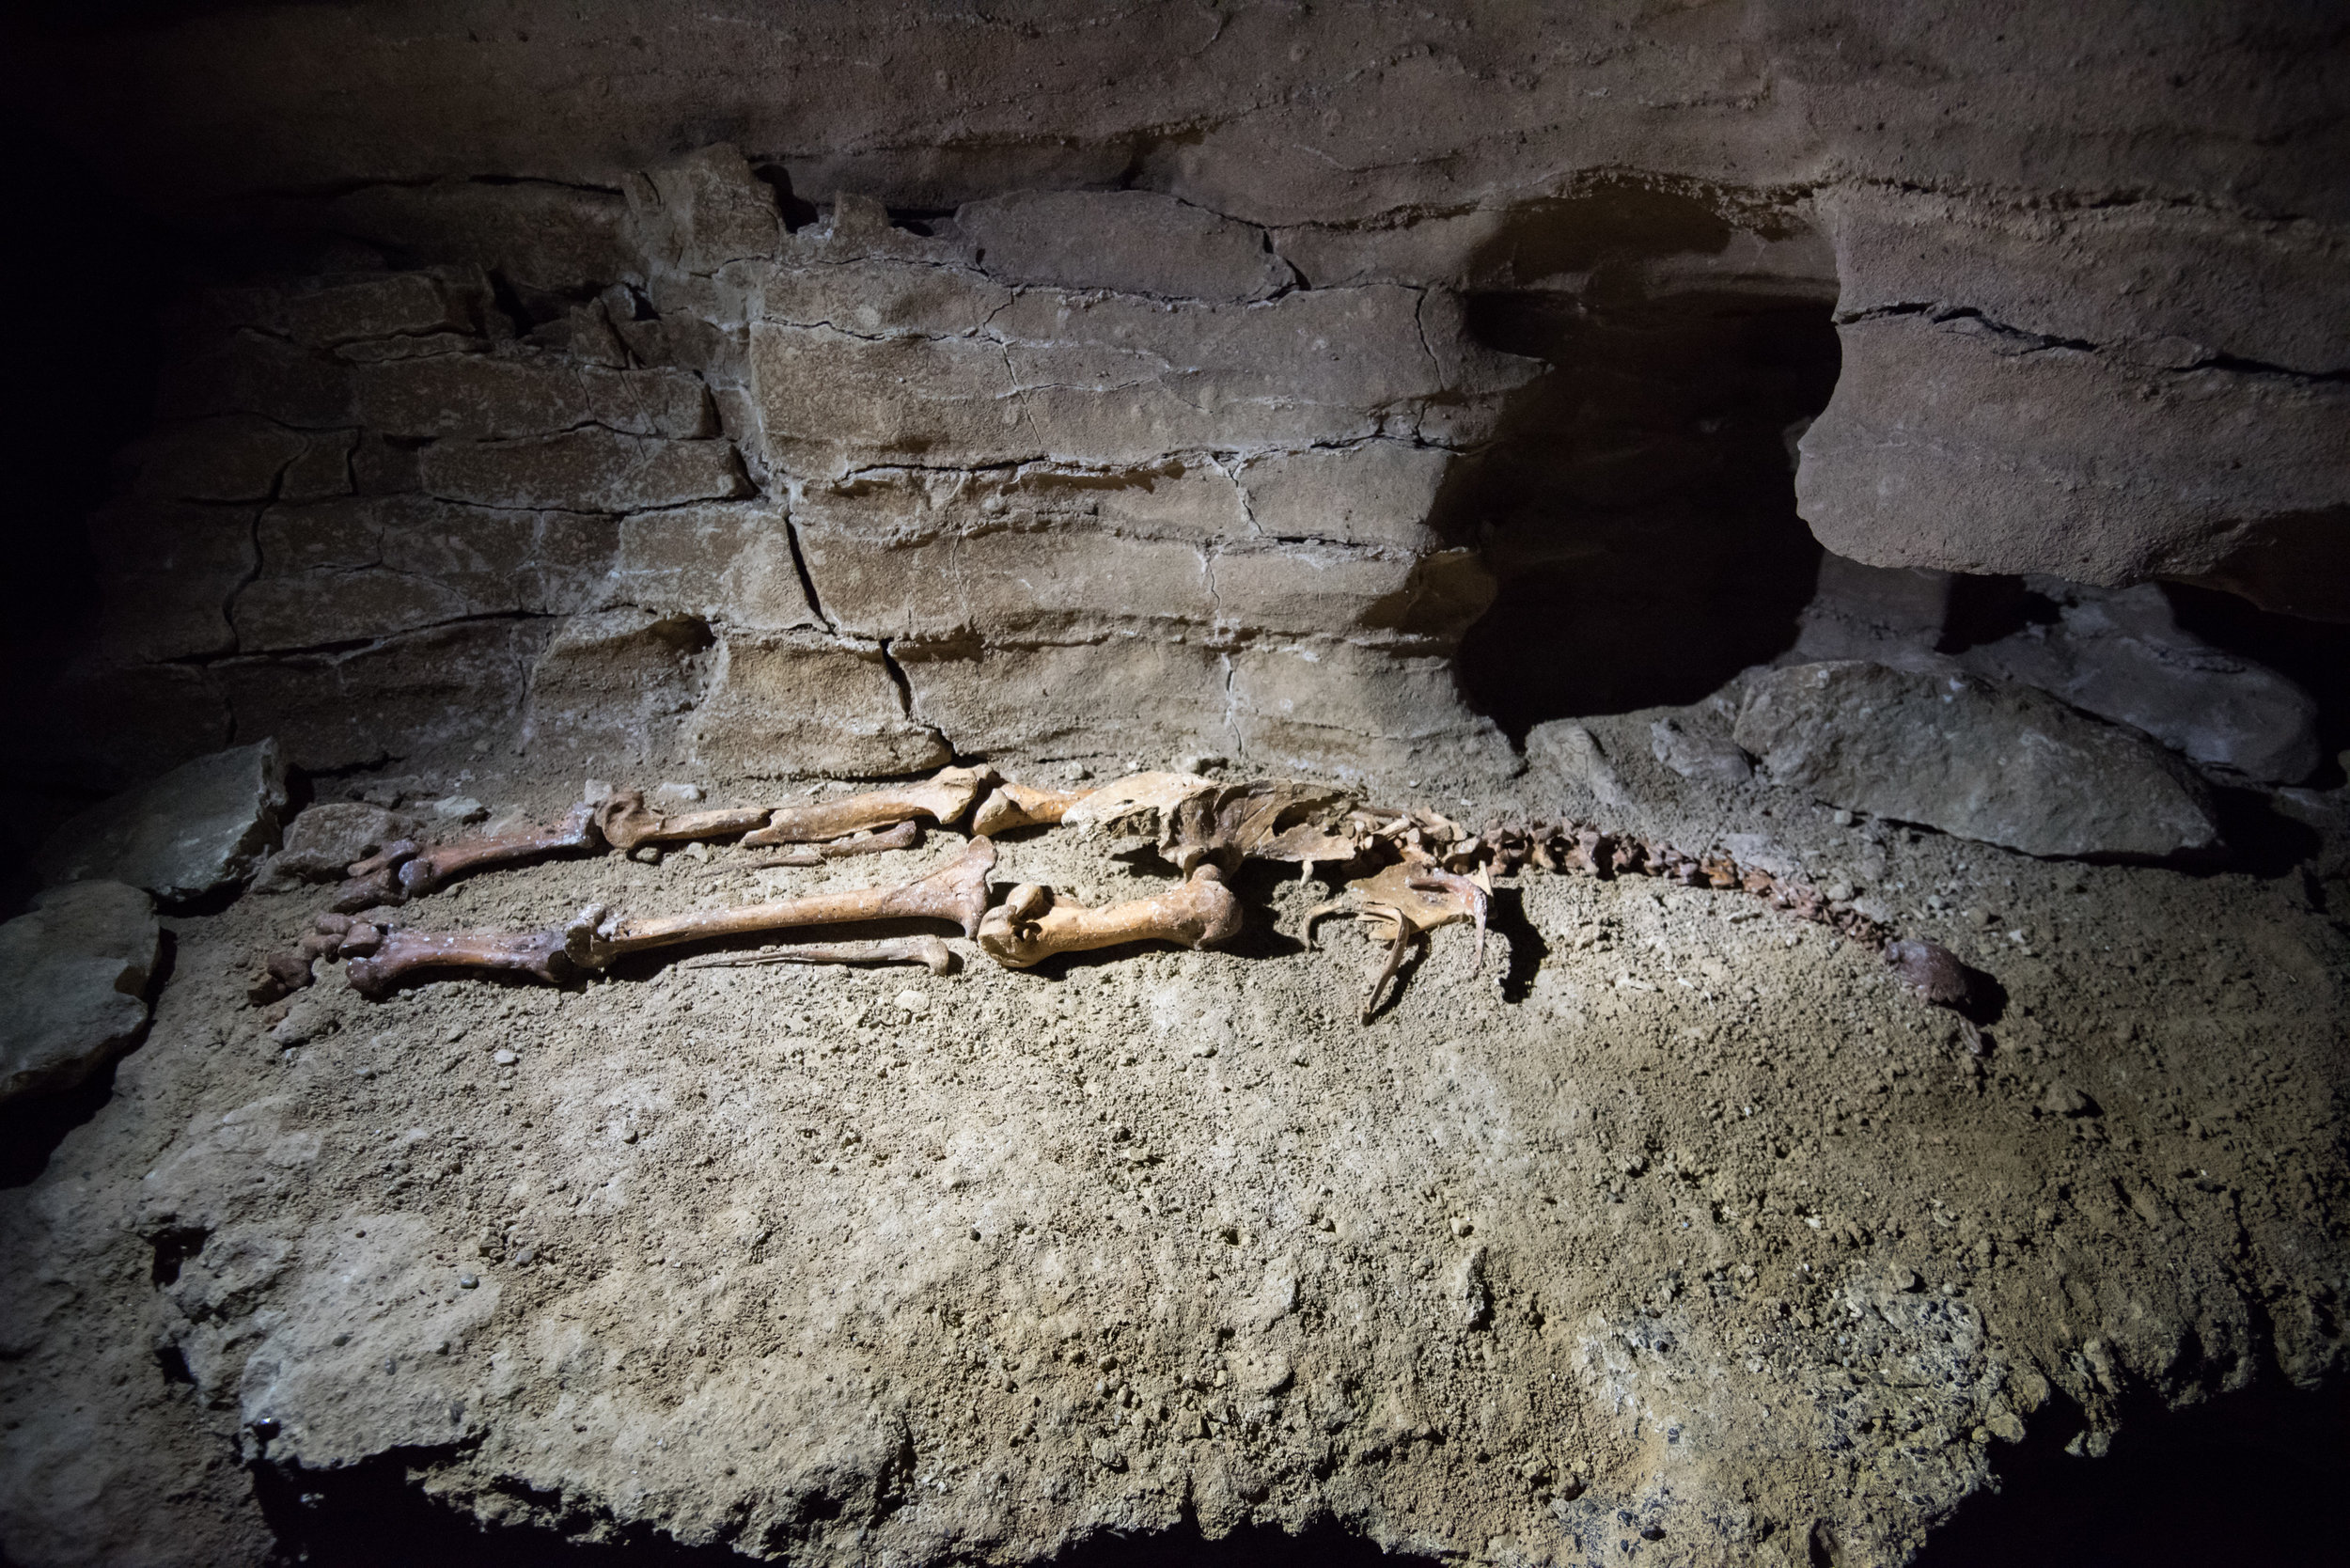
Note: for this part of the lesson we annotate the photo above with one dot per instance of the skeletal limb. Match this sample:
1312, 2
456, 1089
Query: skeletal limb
1031, 926
928, 952
956, 892
943, 799
1010, 806
906, 835
400, 953
402, 870
627, 822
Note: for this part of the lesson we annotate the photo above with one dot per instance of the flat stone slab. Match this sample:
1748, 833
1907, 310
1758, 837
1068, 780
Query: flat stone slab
202, 826
1984, 760
75, 972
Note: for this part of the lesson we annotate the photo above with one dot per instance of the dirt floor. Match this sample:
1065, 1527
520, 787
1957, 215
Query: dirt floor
1680, 1234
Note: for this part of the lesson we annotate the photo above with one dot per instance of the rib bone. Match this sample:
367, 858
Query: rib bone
906, 835
537, 954
956, 892
1031, 926
943, 799
928, 952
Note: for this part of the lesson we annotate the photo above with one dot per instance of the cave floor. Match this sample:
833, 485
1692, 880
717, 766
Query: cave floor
1682, 1232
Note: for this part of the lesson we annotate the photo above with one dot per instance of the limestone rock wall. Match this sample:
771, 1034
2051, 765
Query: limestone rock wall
821, 389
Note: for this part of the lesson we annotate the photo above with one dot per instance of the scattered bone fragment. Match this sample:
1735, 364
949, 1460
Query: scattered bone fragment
1013, 805
538, 954
405, 870
928, 952
944, 799
906, 835
1032, 925
1408, 901
627, 823
956, 892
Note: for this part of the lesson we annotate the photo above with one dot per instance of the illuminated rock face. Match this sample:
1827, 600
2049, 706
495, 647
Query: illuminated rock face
1044, 351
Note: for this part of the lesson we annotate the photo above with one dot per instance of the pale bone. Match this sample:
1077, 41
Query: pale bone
906, 835
1413, 901
943, 799
928, 952
956, 892
1014, 806
538, 954
401, 871
1031, 926
627, 822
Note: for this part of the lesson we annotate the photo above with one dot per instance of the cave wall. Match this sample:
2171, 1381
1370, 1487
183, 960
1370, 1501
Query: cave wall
830, 391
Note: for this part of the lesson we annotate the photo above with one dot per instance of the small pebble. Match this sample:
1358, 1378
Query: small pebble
668, 793
913, 1001
460, 808
505, 1058
596, 790
1844, 818
466, 1281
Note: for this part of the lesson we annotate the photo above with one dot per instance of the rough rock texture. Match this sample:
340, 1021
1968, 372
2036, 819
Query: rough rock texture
1681, 1218
75, 972
327, 838
2003, 764
1045, 345
201, 827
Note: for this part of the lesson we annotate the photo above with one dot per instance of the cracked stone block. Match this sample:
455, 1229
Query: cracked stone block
1984, 759
1380, 492
1044, 587
167, 572
478, 396
325, 838
396, 305
719, 563
1130, 697
238, 370
619, 684
583, 470
201, 827
1128, 242
373, 567
1173, 498
703, 211
557, 238
1352, 712
75, 972
444, 686
792, 705
1331, 590
235, 457
878, 297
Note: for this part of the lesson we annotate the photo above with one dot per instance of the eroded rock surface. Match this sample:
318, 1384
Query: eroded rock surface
201, 827
75, 972
2005, 764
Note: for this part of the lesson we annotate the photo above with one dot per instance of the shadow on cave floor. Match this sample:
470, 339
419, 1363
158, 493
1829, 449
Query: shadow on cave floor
1638, 506
2255, 1477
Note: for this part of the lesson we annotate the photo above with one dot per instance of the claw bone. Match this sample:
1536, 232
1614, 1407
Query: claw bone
1030, 926
943, 799
928, 952
956, 892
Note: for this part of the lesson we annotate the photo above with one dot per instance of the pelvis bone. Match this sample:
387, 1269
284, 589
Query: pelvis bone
1031, 925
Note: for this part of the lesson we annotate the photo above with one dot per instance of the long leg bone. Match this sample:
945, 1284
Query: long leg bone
1031, 926
956, 892
627, 822
928, 952
906, 835
401, 872
943, 799
1010, 806
538, 954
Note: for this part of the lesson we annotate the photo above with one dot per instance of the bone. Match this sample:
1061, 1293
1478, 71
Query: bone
404, 870
955, 893
1014, 805
538, 954
1032, 925
1412, 899
943, 799
906, 835
928, 952
626, 822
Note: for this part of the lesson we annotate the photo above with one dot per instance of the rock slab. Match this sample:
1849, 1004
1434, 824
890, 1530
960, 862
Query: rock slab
202, 826
75, 972
1989, 761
